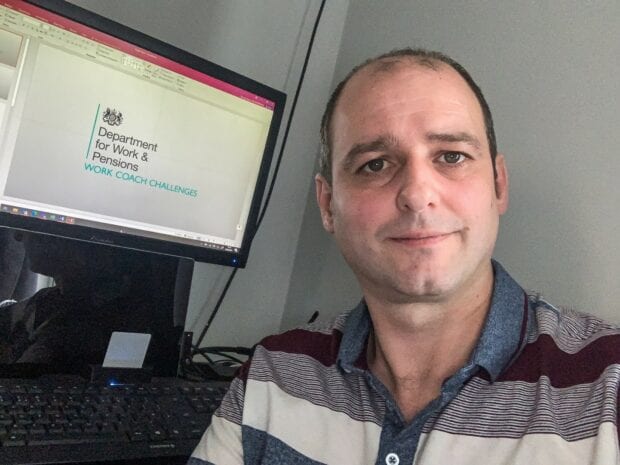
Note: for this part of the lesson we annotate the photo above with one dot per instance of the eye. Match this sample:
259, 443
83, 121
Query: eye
452, 158
374, 166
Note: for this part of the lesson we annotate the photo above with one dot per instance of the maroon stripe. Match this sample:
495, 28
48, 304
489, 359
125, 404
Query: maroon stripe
544, 358
320, 346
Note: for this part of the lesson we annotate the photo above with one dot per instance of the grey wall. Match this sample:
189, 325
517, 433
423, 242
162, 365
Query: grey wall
267, 41
550, 72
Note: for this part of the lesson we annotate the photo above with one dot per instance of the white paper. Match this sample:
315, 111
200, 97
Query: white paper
126, 350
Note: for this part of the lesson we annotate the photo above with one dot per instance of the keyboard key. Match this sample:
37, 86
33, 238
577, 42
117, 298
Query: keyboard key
55, 428
58, 441
23, 419
157, 435
136, 436
36, 430
14, 440
194, 432
34, 389
19, 430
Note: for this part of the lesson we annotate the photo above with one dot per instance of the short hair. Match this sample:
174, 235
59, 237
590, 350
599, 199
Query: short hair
426, 58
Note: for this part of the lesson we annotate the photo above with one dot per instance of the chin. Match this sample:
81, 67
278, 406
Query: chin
422, 291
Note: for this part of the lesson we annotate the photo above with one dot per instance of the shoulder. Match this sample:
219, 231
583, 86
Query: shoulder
319, 342
571, 330
292, 368
567, 347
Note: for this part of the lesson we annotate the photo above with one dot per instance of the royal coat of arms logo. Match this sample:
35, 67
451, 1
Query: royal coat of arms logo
112, 117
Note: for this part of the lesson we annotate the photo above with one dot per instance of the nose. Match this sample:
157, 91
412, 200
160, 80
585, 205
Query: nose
417, 190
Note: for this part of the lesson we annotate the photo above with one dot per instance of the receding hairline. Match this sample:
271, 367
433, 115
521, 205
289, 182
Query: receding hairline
388, 63
389, 66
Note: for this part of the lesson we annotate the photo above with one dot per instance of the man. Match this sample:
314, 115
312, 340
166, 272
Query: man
446, 360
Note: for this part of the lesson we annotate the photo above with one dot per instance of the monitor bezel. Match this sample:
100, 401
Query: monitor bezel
132, 241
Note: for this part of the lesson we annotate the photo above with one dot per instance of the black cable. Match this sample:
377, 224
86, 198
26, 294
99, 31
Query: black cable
225, 354
236, 350
276, 169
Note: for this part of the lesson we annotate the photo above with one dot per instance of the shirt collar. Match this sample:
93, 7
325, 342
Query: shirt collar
354, 337
499, 341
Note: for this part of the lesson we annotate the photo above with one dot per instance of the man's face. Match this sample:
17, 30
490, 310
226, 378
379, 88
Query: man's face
413, 203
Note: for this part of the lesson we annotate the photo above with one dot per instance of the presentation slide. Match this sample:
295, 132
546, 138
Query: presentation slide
95, 139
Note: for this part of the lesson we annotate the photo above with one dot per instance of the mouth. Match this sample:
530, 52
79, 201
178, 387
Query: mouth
420, 239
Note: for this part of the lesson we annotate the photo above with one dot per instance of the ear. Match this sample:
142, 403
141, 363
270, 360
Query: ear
324, 199
501, 184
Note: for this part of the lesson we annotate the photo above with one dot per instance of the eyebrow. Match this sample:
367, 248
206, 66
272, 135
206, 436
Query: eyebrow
465, 137
381, 143
387, 142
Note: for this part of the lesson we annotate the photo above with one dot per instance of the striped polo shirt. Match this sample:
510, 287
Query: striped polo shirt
541, 387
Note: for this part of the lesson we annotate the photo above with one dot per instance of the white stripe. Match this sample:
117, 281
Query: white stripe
438, 448
221, 443
314, 431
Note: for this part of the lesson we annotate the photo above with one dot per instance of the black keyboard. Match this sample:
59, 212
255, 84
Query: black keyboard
79, 422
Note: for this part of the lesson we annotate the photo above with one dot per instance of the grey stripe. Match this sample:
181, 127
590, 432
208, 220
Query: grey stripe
231, 407
570, 330
514, 409
302, 376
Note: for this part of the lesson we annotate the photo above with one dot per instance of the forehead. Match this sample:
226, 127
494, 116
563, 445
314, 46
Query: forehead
405, 91
379, 77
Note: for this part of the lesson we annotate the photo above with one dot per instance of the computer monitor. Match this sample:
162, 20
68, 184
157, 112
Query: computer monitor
68, 327
110, 136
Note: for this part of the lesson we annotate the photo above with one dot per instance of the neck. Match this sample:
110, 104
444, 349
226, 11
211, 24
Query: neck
415, 347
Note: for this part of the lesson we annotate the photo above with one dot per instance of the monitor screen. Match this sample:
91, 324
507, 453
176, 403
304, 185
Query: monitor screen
111, 136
